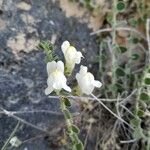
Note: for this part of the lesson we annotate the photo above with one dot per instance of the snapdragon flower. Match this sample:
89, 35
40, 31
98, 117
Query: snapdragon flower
72, 56
86, 81
56, 78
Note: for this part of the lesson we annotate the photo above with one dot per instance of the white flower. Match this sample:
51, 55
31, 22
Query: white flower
86, 81
56, 78
72, 56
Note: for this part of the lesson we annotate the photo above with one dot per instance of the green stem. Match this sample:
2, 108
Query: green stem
69, 120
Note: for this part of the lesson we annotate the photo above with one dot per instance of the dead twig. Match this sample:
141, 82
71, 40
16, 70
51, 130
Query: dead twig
119, 29
32, 111
118, 117
85, 97
21, 120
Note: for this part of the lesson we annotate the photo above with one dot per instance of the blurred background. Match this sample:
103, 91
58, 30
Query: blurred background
40, 124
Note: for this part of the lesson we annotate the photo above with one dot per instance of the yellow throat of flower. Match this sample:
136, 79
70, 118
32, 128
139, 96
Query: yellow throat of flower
56, 73
71, 48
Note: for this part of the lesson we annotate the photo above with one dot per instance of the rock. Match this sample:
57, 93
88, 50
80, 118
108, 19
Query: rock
23, 6
23, 70
26, 45
2, 24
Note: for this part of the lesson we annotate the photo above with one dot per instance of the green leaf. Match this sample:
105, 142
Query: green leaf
103, 57
67, 114
145, 16
135, 56
140, 20
109, 17
45, 45
138, 133
121, 49
103, 69
135, 122
79, 146
147, 81
135, 40
144, 97
88, 5
75, 129
67, 102
131, 77
49, 51
120, 87
133, 22
140, 113
74, 138
113, 87
121, 6
120, 72
116, 88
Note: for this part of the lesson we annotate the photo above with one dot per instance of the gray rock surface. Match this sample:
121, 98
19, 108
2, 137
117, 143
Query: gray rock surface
23, 24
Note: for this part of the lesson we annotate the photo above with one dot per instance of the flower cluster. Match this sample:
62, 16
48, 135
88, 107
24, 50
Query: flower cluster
56, 78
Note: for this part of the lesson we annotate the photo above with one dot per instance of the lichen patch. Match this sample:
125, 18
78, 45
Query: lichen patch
20, 43
2, 24
28, 19
23, 6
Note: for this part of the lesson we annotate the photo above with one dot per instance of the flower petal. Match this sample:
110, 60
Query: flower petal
88, 90
78, 57
77, 76
48, 90
97, 83
90, 77
86, 81
60, 66
59, 81
70, 54
67, 88
83, 69
57, 86
51, 66
65, 45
